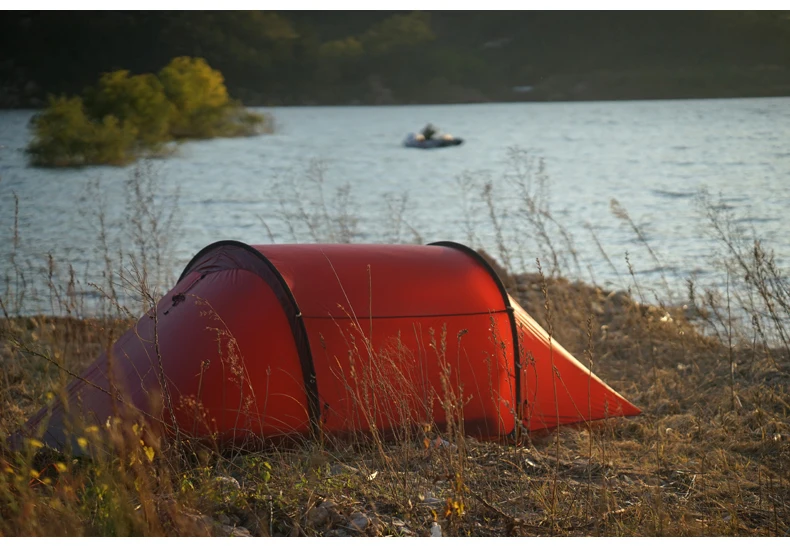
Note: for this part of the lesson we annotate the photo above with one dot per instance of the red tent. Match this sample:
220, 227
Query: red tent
274, 340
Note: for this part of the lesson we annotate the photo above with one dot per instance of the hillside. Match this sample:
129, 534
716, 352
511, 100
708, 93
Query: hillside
271, 58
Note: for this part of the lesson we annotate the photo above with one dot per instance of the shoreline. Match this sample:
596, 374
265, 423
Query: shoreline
356, 104
669, 471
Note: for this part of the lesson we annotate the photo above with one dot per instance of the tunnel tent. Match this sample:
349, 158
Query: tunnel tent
276, 340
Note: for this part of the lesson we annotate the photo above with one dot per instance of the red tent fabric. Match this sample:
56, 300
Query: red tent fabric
271, 340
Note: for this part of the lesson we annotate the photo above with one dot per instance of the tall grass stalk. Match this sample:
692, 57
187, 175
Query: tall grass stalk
710, 371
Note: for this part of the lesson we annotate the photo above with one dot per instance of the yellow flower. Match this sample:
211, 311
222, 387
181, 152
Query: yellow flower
35, 443
83, 442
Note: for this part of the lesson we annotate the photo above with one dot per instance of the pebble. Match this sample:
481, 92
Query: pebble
235, 531
227, 483
317, 517
359, 521
430, 500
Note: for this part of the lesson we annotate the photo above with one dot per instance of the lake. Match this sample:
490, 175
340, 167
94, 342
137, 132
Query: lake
653, 157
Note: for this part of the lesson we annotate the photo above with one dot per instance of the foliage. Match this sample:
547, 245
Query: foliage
198, 94
137, 101
124, 116
294, 57
346, 47
65, 136
398, 31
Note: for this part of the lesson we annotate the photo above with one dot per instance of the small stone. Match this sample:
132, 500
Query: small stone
430, 500
195, 523
235, 531
359, 521
227, 484
317, 517
341, 469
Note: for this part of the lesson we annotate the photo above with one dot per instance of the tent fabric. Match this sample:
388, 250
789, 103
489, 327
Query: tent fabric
268, 341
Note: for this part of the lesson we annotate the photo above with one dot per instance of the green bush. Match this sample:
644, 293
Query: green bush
198, 94
66, 136
125, 116
138, 101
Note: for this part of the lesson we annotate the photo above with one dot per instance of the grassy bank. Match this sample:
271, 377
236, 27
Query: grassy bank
708, 456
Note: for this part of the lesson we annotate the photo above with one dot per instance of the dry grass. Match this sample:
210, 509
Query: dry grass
708, 456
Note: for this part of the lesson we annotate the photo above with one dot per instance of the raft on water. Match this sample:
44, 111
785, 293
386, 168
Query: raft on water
418, 140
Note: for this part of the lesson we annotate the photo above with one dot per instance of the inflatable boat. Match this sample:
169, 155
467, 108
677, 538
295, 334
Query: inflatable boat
416, 140
260, 342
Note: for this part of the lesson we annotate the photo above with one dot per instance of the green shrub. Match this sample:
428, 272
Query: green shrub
138, 101
65, 136
198, 94
125, 116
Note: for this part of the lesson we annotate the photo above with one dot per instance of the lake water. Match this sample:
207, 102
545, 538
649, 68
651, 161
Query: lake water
653, 157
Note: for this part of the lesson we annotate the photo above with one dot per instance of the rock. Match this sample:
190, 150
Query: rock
318, 517
227, 484
359, 521
438, 442
227, 487
192, 524
323, 515
619, 298
430, 500
340, 468
401, 527
436, 530
234, 531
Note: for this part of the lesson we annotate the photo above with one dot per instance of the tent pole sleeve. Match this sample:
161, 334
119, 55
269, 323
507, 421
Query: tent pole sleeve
237, 255
511, 316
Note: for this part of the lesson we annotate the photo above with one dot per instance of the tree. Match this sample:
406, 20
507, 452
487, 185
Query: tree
198, 94
397, 32
128, 115
64, 136
138, 102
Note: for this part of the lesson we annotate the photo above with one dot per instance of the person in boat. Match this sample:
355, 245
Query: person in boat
428, 131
